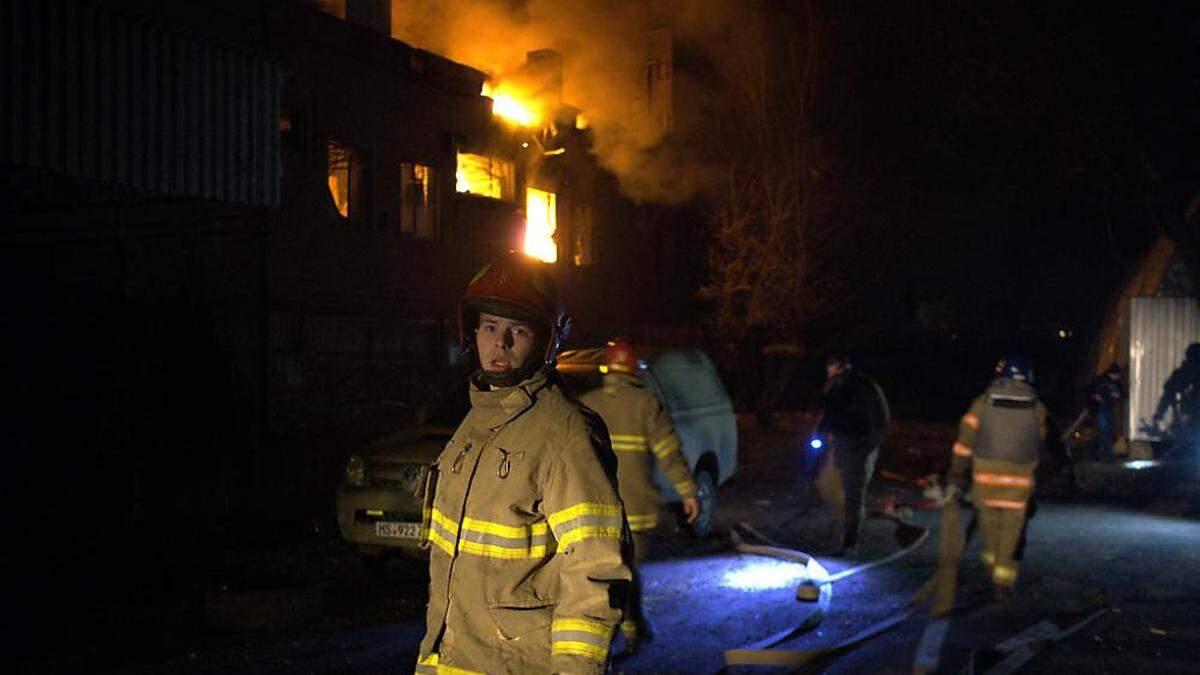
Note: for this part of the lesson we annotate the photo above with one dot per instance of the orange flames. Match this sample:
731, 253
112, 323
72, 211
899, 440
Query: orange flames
541, 221
512, 105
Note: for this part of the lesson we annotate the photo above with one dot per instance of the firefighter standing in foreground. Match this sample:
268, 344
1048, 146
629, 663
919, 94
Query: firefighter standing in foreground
529, 548
854, 421
643, 437
999, 442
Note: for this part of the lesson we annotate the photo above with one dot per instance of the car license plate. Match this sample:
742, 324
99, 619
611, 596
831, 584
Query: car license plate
384, 528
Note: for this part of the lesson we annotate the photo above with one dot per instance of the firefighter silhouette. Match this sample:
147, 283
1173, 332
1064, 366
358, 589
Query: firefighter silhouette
1181, 397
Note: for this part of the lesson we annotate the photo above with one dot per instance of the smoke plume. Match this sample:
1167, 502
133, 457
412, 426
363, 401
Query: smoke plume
604, 49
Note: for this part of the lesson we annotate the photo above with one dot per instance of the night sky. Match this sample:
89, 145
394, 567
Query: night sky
1027, 152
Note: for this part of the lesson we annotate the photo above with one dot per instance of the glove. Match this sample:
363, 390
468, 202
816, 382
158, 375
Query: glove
951, 493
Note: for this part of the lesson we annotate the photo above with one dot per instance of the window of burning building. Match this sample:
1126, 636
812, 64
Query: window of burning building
541, 222
581, 240
418, 201
485, 176
347, 183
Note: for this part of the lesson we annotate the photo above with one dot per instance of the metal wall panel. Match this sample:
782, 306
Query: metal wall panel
127, 102
1160, 330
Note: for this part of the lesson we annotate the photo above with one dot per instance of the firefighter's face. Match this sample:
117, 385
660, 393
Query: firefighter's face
503, 343
834, 369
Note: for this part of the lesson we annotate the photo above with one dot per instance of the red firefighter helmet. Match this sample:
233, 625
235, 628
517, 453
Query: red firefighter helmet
621, 356
518, 287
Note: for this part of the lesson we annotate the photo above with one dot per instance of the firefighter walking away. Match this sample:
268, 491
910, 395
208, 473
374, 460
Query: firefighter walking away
528, 567
998, 447
643, 438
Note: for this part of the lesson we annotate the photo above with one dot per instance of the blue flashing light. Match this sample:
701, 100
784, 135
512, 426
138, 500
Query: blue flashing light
816, 444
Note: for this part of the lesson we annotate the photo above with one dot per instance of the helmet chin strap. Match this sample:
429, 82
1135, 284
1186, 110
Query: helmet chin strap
506, 378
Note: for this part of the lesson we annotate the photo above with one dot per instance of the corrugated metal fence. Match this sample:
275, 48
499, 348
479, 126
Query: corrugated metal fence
99, 96
1160, 330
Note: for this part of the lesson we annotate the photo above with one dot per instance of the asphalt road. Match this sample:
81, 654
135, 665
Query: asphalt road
712, 600
705, 598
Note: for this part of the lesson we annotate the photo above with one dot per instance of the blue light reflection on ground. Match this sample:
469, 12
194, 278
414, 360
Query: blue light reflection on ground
763, 574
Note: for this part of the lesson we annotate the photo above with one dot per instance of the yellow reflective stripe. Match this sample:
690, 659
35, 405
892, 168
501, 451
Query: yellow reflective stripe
589, 532
629, 629
510, 531
444, 521
642, 521
522, 548
628, 442
962, 449
1003, 479
988, 557
626, 438
430, 664
580, 649
1004, 574
971, 420
441, 542
1004, 503
583, 509
583, 625
666, 445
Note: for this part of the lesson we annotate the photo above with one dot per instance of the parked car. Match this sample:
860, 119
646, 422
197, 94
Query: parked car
379, 500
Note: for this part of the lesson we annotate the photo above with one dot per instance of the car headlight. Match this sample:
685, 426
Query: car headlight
356, 471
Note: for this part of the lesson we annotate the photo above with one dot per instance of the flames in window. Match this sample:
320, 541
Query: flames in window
484, 176
541, 221
339, 177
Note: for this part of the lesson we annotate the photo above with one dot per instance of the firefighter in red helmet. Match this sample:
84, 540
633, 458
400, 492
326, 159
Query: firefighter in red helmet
643, 438
529, 546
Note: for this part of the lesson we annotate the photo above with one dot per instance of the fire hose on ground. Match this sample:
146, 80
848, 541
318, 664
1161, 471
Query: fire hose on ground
816, 588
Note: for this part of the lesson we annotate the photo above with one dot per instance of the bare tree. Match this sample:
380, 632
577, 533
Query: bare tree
766, 266
771, 270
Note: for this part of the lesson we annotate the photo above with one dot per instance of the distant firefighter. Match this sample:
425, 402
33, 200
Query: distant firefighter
854, 420
643, 438
1104, 395
999, 442
1181, 396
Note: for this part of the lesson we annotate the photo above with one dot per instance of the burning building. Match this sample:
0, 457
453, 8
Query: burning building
237, 227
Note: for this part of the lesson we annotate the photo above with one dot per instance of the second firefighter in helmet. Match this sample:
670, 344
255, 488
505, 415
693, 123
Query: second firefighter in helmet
529, 554
998, 448
644, 439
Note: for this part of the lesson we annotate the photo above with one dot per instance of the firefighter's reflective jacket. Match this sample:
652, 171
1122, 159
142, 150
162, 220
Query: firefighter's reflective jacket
642, 437
528, 542
999, 440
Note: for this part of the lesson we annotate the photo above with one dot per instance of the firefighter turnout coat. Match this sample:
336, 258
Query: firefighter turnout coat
999, 440
643, 437
529, 548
